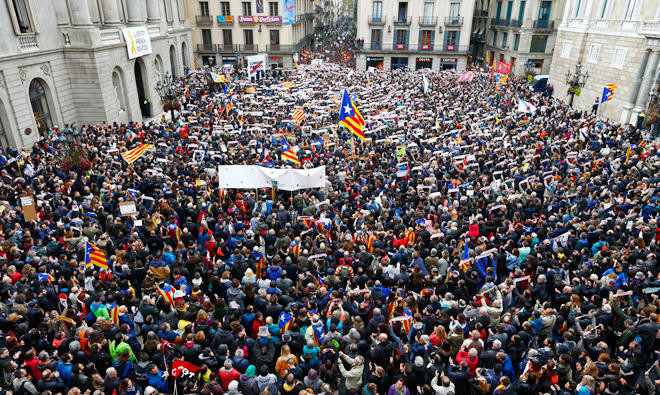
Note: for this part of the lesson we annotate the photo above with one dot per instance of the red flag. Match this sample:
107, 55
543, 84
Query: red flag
180, 367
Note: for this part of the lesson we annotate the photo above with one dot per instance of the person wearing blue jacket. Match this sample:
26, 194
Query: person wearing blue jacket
157, 378
507, 365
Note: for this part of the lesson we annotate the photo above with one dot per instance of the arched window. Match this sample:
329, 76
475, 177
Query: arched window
4, 127
118, 91
40, 107
173, 60
158, 65
184, 58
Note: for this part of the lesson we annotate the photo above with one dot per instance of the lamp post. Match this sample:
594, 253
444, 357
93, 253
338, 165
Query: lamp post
169, 89
576, 81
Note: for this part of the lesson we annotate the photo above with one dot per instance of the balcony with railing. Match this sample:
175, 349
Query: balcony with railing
377, 20
542, 24
28, 41
280, 48
516, 23
437, 48
207, 48
204, 19
227, 48
454, 21
428, 20
399, 20
498, 22
249, 48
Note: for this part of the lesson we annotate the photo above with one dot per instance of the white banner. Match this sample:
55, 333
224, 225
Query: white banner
252, 177
138, 42
254, 63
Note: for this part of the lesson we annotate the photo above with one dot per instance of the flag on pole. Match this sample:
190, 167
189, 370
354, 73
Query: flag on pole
526, 107
608, 92
218, 78
298, 115
287, 153
131, 156
350, 117
94, 256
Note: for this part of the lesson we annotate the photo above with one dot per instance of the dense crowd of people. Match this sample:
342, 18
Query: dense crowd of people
466, 247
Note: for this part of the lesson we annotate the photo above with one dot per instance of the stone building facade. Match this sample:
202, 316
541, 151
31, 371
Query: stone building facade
522, 34
615, 41
430, 34
227, 31
65, 61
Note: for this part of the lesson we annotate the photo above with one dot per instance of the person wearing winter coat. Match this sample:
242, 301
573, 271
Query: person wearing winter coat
266, 380
354, 375
247, 382
445, 388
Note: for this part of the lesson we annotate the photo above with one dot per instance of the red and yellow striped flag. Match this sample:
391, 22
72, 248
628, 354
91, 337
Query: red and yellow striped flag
131, 156
298, 115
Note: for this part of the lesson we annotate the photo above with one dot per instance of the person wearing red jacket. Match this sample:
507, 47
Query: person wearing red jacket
470, 357
228, 373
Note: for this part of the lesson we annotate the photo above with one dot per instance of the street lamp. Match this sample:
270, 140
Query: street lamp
169, 89
576, 81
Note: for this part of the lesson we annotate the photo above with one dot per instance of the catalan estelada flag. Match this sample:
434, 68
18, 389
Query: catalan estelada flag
608, 92
295, 247
113, 309
287, 84
131, 156
298, 115
500, 80
168, 296
94, 256
285, 321
350, 117
370, 243
287, 153
259, 261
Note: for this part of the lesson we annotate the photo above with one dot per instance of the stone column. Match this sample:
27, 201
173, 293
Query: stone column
134, 11
110, 12
152, 11
627, 108
80, 13
649, 76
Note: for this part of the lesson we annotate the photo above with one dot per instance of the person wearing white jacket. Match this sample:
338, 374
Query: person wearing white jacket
445, 388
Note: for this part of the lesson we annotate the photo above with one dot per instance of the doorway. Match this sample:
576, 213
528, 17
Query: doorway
145, 106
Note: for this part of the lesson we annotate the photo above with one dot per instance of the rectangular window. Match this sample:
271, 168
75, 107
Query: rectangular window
521, 11
538, 43
594, 50
428, 10
566, 49
619, 57
452, 40
516, 42
544, 11
376, 38
505, 37
247, 8
226, 37
224, 8
454, 11
203, 8
207, 42
499, 10
630, 9
22, 15
275, 38
377, 10
273, 8
495, 39
403, 11
248, 36
509, 9
401, 39
425, 38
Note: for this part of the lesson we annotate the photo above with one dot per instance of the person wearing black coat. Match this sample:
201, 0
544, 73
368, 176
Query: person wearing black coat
459, 375
51, 381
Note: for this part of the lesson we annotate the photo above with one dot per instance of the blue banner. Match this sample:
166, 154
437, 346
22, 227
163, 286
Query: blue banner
288, 12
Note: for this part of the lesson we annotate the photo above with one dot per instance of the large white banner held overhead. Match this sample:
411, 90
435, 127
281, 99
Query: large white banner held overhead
252, 177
